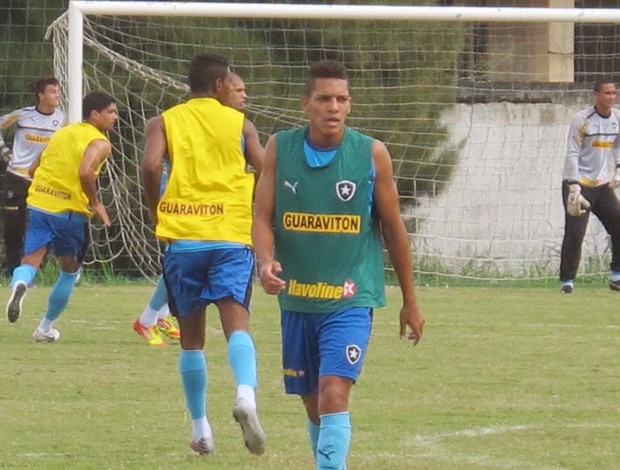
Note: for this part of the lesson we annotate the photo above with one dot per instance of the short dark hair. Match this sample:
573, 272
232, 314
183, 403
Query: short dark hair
325, 69
205, 70
95, 101
599, 84
39, 85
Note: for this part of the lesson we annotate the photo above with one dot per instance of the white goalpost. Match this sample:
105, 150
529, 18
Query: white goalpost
78, 9
474, 104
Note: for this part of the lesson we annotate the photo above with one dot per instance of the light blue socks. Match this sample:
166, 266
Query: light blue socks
242, 358
193, 370
313, 433
60, 294
24, 273
159, 298
333, 443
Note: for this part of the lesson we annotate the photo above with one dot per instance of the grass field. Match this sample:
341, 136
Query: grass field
503, 379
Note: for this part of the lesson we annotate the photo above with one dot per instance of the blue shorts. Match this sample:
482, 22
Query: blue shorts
195, 279
65, 233
318, 344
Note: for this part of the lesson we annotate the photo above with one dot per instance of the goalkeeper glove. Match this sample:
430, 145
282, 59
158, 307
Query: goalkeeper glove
5, 152
615, 180
576, 204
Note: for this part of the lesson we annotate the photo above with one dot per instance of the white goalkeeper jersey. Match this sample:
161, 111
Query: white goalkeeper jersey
592, 141
33, 130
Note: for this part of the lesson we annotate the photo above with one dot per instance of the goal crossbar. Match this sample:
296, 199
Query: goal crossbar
79, 8
351, 12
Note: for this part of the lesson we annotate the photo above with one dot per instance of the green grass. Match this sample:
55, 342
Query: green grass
503, 379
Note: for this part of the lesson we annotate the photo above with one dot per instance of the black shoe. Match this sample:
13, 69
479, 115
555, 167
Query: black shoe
614, 285
568, 289
14, 306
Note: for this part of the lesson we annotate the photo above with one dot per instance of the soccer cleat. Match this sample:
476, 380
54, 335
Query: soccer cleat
253, 433
166, 327
568, 289
614, 285
46, 336
14, 306
149, 333
203, 446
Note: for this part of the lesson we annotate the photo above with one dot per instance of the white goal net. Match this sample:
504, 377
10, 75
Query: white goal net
475, 114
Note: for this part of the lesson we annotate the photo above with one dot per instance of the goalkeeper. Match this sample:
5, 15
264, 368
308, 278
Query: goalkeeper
34, 125
586, 187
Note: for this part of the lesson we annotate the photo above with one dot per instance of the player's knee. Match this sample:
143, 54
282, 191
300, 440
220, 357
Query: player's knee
334, 394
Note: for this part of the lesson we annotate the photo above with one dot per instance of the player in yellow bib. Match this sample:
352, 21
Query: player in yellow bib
155, 321
204, 215
61, 200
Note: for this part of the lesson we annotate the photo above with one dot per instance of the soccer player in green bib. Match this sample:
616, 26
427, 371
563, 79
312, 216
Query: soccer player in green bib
324, 200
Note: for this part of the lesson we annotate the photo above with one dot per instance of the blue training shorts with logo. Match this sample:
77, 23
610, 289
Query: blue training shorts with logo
195, 279
65, 233
318, 344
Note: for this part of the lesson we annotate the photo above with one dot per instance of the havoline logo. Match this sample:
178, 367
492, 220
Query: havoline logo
320, 290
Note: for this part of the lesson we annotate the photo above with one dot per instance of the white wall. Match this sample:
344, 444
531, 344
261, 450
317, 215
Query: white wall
503, 208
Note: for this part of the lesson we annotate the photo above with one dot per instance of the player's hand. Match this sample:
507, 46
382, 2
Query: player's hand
268, 274
411, 319
576, 204
615, 180
6, 153
99, 209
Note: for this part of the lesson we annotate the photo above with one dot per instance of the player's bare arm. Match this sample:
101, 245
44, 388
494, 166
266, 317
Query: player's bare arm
155, 148
254, 151
94, 155
262, 225
396, 240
